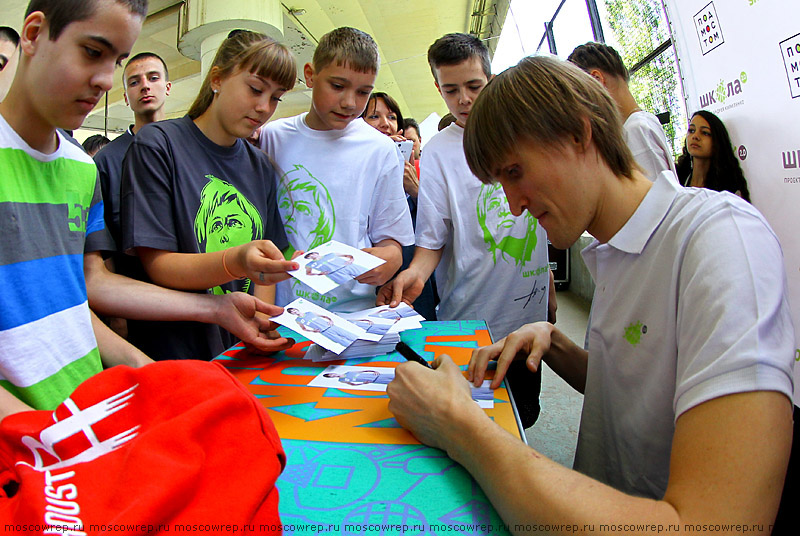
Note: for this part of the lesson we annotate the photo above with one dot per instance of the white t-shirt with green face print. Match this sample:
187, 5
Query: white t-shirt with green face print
494, 265
344, 185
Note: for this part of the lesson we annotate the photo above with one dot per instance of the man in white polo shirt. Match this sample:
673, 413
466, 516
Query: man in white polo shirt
687, 418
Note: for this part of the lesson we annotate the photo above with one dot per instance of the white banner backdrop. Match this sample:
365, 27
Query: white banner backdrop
740, 59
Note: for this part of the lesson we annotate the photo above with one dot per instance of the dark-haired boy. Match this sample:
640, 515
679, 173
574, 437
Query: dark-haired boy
341, 178
489, 264
643, 131
94, 143
49, 339
9, 39
146, 86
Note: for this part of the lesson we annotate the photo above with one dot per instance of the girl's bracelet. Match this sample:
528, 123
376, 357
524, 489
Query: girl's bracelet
225, 266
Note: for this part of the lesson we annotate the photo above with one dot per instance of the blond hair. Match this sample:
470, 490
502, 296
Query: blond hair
347, 46
548, 102
245, 50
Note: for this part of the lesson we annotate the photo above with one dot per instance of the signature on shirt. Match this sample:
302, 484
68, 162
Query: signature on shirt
534, 291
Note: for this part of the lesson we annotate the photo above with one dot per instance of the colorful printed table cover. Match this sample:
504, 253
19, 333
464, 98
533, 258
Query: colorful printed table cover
351, 469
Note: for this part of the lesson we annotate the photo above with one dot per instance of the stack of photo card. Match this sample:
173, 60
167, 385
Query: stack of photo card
327, 266
358, 334
367, 378
323, 327
403, 316
382, 326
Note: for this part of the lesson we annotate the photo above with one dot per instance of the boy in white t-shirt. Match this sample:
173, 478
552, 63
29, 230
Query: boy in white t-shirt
340, 178
642, 130
489, 264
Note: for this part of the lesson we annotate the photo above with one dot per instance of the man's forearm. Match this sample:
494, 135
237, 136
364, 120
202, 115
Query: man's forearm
527, 489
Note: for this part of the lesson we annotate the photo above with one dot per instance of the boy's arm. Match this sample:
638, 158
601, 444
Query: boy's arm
728, 461
388, 250
388, 222
10, 404
408, 284
116, 295
410, 180
114, 350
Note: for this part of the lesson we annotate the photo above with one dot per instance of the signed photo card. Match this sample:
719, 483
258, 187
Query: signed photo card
374, 327
323, 327
360, 377
403, 316
327, 266
367, 378
483, 395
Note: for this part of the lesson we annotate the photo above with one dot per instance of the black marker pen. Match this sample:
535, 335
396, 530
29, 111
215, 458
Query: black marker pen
406, 351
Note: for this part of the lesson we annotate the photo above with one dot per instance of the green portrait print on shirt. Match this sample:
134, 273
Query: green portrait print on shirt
307, 212
306, 209
226, 218
495, 218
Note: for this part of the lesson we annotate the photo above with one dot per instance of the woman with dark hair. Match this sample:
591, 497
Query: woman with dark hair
383, 113
708, 159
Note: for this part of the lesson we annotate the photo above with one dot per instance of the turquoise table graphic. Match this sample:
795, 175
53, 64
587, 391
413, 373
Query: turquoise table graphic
351, 469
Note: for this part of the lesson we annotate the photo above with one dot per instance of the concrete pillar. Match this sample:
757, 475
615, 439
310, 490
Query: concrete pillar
204, 24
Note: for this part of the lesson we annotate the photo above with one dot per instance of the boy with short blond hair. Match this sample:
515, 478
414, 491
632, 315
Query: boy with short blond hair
340, 178
347, 46
489, 265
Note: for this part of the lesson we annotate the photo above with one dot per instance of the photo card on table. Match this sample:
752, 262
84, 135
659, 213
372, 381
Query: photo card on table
403, 316
368, 378
359, 377
375, 328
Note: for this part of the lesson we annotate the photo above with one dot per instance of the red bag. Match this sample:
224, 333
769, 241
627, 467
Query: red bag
142, 451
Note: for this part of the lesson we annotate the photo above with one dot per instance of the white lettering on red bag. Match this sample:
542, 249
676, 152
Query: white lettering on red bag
62, 510
80, 422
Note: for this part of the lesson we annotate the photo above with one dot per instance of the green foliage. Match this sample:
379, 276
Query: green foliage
640, 27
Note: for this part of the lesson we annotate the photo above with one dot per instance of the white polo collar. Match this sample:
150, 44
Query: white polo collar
634, 235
